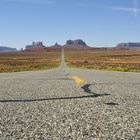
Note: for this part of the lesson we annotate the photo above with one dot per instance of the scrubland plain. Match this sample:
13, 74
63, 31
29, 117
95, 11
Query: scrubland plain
104, 59
25, 61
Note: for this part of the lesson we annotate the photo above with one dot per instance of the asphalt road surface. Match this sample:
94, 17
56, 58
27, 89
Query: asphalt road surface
52, 105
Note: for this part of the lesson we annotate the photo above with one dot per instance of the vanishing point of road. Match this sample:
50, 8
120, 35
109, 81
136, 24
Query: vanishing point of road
69, 104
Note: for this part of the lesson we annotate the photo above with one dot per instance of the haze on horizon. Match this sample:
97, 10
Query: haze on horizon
100, 23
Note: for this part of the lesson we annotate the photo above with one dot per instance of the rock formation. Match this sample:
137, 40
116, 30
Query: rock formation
75, 44
36, 46
130, 45
56, 45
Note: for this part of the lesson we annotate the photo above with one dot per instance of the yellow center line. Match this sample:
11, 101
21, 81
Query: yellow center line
78, 80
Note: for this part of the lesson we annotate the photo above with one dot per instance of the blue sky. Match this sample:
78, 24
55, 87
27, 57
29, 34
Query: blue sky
99, 23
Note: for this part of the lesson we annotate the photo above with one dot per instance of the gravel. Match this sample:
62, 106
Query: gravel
49, 105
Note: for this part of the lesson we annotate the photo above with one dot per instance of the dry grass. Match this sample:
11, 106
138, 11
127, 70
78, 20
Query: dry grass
24, 61
117, 60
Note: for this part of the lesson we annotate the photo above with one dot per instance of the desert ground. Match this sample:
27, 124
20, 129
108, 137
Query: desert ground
25, 61
104, 59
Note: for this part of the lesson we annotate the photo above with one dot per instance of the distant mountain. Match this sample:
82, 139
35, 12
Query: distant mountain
56, 45
36, 46
79, 43
27, 47
3, 48
130, 45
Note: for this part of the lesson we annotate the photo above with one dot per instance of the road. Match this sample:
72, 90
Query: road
53, 105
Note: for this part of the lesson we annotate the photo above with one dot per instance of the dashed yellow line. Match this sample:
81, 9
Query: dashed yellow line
78, 80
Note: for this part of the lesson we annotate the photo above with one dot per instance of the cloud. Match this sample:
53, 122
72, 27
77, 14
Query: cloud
134, 9
125, 9
31, 1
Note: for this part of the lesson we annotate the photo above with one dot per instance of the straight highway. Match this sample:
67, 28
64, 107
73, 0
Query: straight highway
70, 104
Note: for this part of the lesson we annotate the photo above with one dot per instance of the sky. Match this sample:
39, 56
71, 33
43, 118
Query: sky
100, 23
